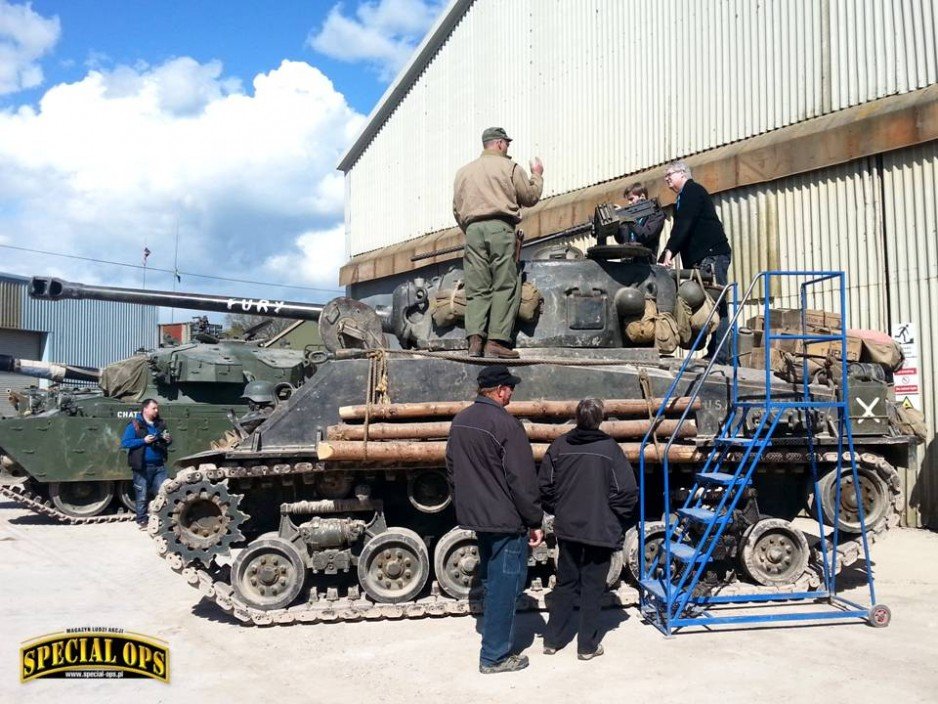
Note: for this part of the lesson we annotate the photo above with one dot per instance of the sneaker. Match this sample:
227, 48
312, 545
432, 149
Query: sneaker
549, 651
512, 663
589, 656
141, 526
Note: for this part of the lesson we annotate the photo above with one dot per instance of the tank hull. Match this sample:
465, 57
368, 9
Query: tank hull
281, 467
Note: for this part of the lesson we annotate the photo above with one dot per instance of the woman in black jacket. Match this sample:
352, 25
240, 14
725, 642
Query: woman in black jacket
588, 484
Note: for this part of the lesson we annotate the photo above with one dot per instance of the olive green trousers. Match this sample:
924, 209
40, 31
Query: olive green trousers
493, 288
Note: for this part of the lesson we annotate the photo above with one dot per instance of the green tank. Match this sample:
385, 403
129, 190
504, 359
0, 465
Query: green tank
61, 456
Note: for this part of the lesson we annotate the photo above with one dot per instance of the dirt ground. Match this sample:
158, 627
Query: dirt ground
53, 577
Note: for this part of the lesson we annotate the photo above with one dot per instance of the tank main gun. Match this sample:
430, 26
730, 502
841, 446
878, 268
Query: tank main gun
54, 289
47, 370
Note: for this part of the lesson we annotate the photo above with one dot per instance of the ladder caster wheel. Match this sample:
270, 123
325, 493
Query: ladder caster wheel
879, 616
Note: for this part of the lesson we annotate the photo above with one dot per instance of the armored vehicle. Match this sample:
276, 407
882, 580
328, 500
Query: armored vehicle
60, 455
336, 507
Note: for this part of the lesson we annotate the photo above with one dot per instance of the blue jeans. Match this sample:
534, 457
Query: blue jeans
720, 263
147, 482
504, 570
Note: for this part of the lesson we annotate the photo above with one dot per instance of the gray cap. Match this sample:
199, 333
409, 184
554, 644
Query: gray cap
495, 133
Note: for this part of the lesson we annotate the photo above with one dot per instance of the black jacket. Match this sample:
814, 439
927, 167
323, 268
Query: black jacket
588, 484
646, 232
490, 468
697, 231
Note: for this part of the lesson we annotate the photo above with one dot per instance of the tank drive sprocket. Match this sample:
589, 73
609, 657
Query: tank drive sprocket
199, 519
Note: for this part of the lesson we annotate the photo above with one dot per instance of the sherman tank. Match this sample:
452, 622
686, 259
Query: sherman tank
60, 455
336, 506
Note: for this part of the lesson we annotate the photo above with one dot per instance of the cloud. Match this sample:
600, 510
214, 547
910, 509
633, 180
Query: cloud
130, 155
381, 34
25, 37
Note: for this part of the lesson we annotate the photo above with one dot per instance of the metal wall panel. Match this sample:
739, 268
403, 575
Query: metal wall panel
11, 302
828, 220
910, 179
602, 88
90, 333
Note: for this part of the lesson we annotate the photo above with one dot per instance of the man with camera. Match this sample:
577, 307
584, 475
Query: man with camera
147, 443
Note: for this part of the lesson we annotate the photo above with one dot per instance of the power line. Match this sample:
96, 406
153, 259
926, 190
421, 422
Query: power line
167, 271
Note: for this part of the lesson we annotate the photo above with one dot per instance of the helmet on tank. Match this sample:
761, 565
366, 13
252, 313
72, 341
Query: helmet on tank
260, 392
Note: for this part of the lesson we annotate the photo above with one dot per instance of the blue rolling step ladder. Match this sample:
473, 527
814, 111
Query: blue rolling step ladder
671, 596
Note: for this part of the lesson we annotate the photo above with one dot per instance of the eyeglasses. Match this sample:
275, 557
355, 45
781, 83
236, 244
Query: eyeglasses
667, 176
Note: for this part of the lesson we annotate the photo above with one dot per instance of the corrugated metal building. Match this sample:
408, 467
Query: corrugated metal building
814, 123
85, 333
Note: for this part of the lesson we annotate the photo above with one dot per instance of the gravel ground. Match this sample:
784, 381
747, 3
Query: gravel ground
53, 577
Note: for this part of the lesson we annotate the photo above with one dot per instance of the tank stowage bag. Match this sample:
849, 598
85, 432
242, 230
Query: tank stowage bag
666, 334
448, 306
682, 321
531, 300
642, 332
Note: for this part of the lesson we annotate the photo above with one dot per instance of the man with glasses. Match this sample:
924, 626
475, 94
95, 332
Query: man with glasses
488, 195
699, 238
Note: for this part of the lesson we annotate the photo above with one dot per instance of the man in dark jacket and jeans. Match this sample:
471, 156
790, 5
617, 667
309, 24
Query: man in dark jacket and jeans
699, 238
490, 468
587, 483
146, 440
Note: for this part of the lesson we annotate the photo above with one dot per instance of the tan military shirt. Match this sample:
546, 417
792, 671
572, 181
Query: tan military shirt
493, 186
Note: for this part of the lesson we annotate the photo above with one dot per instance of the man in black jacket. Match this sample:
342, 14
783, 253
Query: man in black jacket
699, 238
587, 483
490, 468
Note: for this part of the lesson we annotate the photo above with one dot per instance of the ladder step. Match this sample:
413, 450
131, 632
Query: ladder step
698, 515
715, 478
735, 442
685, 552
655, 588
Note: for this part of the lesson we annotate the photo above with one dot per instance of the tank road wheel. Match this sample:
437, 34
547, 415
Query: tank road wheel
201, 520
616, 563
268, 574
81, 499
394, 566
127, 495
456, 562
654, 536
874, 492
879, 616
774, 552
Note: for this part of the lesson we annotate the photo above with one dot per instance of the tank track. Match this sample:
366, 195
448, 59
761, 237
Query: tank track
20, 494
212, 581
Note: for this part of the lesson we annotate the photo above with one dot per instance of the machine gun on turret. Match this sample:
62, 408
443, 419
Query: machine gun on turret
604, 223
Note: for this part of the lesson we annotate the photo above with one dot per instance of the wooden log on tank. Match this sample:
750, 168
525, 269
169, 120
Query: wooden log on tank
528, 409
435, 452
546, 432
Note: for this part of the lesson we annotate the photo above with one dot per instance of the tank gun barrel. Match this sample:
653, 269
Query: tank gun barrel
45, 370
53, 289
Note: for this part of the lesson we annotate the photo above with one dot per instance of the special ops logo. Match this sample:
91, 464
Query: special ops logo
94, 653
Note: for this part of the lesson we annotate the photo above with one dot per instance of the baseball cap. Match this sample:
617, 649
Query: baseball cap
497, 375
495, 133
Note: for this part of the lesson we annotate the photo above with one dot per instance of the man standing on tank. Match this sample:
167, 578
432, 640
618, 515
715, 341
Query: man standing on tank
147, 442
587, 483
699, 238
645, 231
488, 195
491, 473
